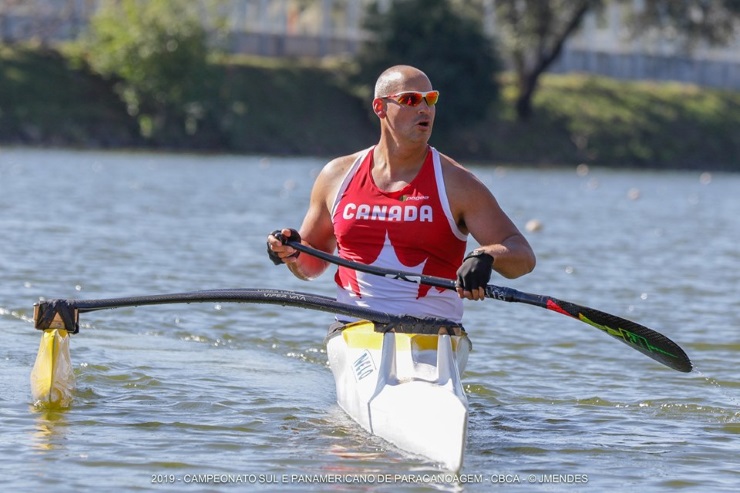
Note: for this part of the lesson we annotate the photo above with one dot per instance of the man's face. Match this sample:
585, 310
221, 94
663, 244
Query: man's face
406, 121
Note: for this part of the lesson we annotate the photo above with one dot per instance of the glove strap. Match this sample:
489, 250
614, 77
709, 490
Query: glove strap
479, 254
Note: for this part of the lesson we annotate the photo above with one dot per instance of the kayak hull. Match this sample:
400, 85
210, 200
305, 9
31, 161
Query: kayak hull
404, 388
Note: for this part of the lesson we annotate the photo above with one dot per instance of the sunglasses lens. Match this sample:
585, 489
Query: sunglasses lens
410, 98
413, 98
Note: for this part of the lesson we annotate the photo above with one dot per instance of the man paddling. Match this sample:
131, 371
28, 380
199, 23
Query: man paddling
403, 205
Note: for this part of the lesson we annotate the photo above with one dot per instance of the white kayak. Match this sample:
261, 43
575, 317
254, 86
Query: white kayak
404, 388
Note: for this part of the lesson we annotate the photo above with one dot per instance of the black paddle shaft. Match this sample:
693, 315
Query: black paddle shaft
649, 342
64, 314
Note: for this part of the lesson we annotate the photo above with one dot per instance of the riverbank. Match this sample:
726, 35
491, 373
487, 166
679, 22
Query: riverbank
288, 108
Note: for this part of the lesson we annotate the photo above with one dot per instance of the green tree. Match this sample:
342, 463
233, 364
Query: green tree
445, 42
532, 33
711, 21
157, 51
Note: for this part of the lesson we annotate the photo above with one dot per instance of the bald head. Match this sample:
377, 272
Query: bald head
401, 78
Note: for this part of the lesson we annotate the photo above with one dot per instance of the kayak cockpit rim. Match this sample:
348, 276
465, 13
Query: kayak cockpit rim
405, 324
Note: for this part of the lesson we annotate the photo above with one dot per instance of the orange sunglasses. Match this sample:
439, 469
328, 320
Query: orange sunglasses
414, 98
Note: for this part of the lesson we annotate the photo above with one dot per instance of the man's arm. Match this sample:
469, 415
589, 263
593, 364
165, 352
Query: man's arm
478, 213
317, 229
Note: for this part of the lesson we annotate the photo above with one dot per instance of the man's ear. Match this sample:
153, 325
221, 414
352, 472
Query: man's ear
379, 107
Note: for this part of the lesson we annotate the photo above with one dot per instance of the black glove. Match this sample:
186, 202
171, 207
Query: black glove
294, 236
475, 271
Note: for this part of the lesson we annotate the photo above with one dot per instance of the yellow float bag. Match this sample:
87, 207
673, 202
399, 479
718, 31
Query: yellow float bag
52, 376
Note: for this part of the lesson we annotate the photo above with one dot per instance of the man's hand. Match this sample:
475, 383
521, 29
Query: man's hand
473, 275
278, 252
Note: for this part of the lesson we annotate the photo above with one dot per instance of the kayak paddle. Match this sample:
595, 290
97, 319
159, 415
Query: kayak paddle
649, 342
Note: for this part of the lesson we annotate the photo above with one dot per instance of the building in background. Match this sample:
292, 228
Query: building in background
321, 28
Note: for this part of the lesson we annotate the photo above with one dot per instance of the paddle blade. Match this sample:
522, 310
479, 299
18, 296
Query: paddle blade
52, 376
649, 342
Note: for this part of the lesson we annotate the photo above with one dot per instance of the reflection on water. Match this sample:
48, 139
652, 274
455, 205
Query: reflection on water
50, 429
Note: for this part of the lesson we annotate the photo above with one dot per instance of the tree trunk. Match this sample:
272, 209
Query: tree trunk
527, 86
528, 78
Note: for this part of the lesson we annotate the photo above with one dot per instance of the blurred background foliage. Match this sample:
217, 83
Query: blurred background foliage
445, 42
157, 55
150, 74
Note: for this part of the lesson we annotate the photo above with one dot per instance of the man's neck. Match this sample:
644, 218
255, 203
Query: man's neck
400, 156
395, 166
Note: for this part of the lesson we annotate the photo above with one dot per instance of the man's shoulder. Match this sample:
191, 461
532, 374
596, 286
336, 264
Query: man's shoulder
339, 166
454, 170
333, 173
460, 182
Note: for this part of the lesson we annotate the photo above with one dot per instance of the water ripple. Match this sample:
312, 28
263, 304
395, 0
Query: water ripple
245, 389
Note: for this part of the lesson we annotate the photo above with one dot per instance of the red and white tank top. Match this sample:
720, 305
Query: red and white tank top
410, 229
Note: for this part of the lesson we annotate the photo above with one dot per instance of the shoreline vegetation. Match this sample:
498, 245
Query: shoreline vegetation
301, 108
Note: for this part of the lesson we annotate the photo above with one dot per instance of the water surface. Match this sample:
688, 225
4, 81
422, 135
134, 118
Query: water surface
242, 392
